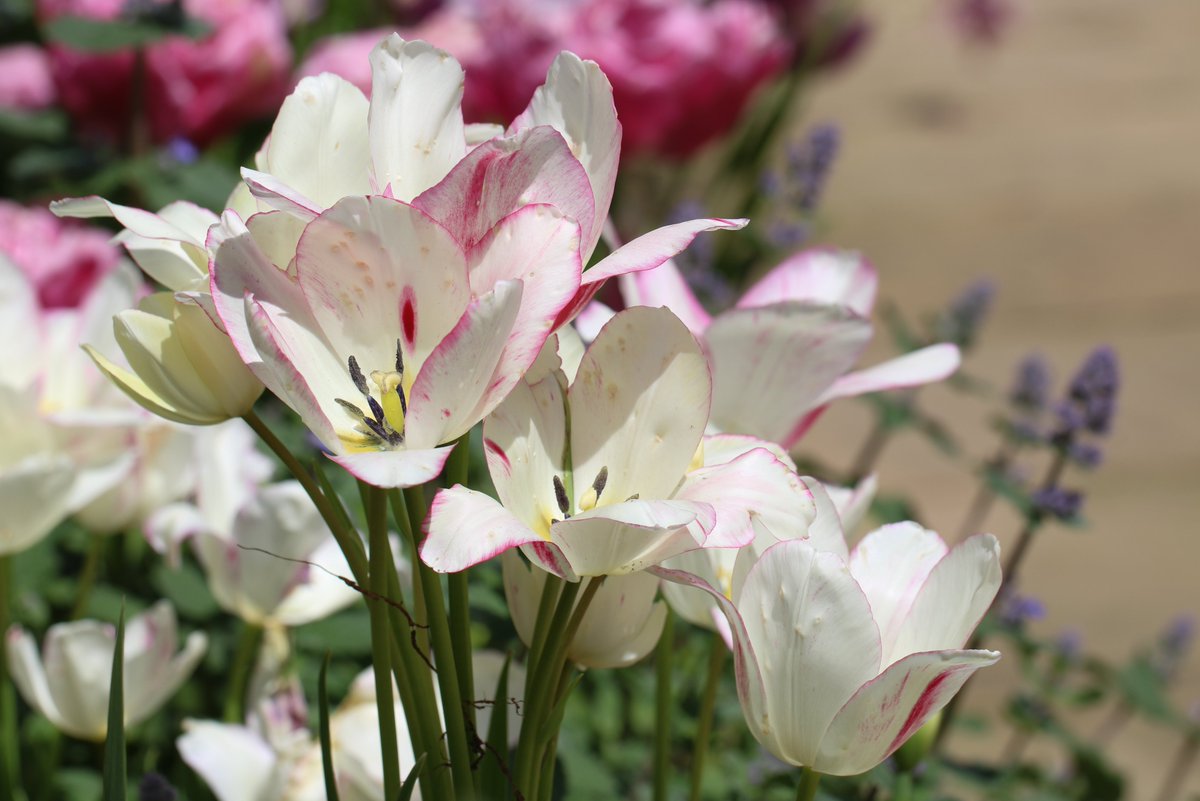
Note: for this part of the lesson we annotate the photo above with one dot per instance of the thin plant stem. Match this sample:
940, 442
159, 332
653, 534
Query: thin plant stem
984, 495
443, 650
904, 786
347, 540
1185, 759
244, 657
806, 787
708, 704
663, 663
1120, 715
87, 576
873, 446
460, 604
9, 762
380, 554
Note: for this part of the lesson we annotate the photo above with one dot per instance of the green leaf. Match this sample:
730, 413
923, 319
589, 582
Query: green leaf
410, 783
347, 633
331, 792
493, 781
187, 590
114, 741
107, 36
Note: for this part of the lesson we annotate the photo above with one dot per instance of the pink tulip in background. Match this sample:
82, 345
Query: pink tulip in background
25, 82
681, 72
197, 89
64, 260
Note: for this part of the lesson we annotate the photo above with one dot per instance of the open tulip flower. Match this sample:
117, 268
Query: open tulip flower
396, 321
785, 351
841, 657
69, 681
607, 476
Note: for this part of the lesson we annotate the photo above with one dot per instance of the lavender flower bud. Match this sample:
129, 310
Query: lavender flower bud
1069, 644
1086, 455
812, 168
1031, 390
1057, 502
155, 787
1020, 609
1094, 388
961, 321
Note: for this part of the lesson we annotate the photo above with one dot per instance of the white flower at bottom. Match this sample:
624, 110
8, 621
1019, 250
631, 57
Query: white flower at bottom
841, 659
69, 681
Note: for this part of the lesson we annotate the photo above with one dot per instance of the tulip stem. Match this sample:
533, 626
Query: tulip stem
87, 576
245, 655
460, 604
806, 788
443, 650
380, 554
708, 706
9, 771
663, 662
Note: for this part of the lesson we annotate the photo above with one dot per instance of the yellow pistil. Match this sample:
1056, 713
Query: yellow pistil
389, 397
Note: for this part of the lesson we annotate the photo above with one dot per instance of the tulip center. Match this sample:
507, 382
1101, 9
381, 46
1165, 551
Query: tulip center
382, 424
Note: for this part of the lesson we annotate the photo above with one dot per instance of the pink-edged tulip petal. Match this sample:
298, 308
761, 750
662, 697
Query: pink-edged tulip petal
853, 503
830, 633
821, 276
954, 598
911, 370
415, 119
318, 146
771, 364
376, 271
235, 763
640, 400
891, 564
278, 195
540, 248
22, 321
594, 316
825, 532
644, 253
141, 222
576, 100
889, 709
630, 536
665, 286
461, 381
534, 167
754, 484
398, 468
523, 442
466, 527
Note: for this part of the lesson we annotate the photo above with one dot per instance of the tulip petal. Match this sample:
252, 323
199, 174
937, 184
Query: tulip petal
825, 532
502, 175
462, 380
140, 222
889, 709
33, 494
577, 101
376, 273
29, 675
639, 405
819, 276
20, 323
891, 564
77, 658
466, 527
319, 594
278, 195
415, 119
665, 286
235, 763
923, 366
770, 365
318, 146
953, 599
631, 536
397, 468
644, 253
815, 640
523, 443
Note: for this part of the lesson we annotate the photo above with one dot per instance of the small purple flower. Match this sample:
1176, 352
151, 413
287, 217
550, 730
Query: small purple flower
1094, 388
181, 151
1021, 609
811, 163
960, 322
155, 787
1031, 390
1069, 644
1086, 455
1058, 502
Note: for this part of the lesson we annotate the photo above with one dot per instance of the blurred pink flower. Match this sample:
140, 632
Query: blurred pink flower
25, 82
195, 89
681, 72
981, 22
63, 259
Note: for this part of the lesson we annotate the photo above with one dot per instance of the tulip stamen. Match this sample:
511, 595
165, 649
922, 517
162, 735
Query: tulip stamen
560, 495
385, 423
592, 496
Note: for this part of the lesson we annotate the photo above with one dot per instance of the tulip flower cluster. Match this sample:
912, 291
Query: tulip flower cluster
397, 278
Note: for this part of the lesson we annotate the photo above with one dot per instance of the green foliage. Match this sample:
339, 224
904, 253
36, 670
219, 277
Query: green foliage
108, 36
114, 742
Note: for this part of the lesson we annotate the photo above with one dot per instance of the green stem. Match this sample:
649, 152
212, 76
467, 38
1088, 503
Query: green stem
904, 786
708, 705
87, 577
460, 605
663, 662
347, 539
443, 650
806, 788
245, 655
9, 762
380, 554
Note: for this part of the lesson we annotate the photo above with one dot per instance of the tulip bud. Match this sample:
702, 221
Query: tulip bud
184, 368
